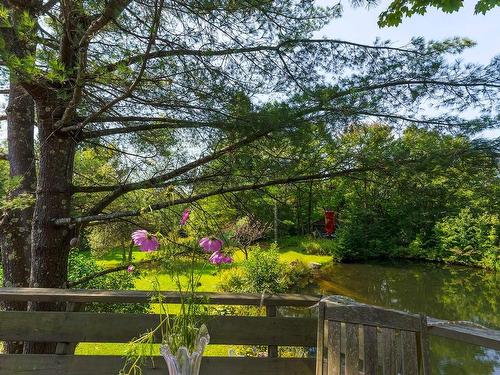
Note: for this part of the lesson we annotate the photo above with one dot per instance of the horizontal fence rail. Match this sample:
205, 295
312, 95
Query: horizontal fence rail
46, 364
109, 327
137, 296
74, 326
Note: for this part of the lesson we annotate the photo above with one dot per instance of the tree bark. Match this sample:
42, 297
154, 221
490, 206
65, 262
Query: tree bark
51, 243
15, 226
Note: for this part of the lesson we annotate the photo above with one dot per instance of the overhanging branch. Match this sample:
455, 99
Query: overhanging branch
194, 198
155, 181
152, 124
250, 49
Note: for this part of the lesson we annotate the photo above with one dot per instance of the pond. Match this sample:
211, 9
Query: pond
445, 292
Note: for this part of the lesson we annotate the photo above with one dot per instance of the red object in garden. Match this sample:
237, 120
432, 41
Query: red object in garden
330, 222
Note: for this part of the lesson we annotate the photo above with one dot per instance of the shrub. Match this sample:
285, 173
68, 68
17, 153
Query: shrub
469, 239
298, 277
321, 246
263, 272
81, 264
232, 280
247, 231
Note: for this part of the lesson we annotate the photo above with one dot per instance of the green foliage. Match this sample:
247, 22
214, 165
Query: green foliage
102, 238
263, 272
393, 213
4, 17
398, 9
310, 245
299, 277
9, 185
233, 280
469, 238
4, 178
81, 265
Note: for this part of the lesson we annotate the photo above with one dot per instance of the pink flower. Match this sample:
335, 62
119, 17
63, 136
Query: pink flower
145, 241
211, 244
130, 268
216, 258
219, 258
185, 216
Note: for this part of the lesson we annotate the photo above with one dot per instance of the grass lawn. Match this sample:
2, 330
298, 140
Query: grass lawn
208, 281
209, 273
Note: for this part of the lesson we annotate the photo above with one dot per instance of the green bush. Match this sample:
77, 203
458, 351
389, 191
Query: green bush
232, 280
81, 264
470, 239
263, 272
299, 277
310, 245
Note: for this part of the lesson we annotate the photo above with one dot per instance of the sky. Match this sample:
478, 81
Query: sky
360, 25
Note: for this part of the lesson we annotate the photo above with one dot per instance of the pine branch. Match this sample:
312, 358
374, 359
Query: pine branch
251, 49
155, 181
83, 280
194, 198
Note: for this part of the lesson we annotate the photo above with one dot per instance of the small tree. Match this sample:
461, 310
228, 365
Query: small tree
104, 238
247, 231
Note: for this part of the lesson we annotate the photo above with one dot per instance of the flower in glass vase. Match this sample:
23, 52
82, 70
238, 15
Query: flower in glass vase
186, 361
184, 336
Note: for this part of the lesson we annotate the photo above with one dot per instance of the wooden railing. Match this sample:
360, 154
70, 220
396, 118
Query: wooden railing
76, 326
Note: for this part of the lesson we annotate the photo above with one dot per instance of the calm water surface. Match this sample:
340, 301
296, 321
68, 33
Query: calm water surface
452, 293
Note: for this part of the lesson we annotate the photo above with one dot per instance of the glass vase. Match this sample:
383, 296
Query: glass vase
183, 362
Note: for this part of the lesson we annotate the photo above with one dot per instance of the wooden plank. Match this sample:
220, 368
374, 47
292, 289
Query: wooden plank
372, 315
137, 296
352, 349
464, 332
41, 364
108, 327
409, 353
398, 352
388, 351
370, 350
272, 350
333, 345
69, 347
320, 339
424, 347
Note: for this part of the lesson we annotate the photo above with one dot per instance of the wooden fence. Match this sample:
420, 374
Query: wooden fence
75, 326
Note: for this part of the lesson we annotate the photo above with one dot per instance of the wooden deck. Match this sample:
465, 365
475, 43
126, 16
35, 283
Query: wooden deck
75, 325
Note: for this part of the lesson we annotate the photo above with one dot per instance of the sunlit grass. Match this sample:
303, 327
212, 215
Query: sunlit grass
209, 274
93, 348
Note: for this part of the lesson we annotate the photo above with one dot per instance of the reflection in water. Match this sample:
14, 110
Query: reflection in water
445, 292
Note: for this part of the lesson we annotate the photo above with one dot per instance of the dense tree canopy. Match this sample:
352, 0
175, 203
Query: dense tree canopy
398, 9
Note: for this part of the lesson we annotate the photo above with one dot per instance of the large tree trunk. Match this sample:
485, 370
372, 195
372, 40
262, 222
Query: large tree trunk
15, 227
51, 243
